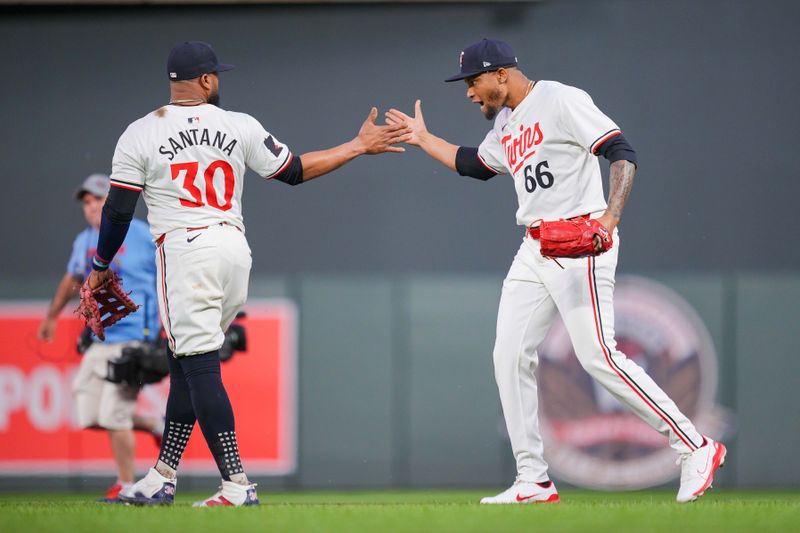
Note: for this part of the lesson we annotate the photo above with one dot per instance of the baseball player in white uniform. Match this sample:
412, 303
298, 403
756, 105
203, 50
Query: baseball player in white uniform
189, 158
547, 136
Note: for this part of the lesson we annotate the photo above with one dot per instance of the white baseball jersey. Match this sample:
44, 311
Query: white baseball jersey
190, 161
547, 144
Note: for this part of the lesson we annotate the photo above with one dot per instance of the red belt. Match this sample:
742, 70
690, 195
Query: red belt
160, 240
534, 232
218, 223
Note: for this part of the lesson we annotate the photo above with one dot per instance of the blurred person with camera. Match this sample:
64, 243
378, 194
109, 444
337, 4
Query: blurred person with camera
99, 403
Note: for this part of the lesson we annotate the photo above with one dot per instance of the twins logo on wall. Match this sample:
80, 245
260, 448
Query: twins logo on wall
591, 439
39, 432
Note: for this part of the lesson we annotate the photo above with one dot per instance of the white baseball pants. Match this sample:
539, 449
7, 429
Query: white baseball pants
203, 274
582, 293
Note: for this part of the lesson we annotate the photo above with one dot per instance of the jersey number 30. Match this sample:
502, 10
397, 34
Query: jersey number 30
534, 176
211, 197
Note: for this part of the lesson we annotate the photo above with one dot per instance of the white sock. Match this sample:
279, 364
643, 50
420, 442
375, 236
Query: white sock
240, 478
165, 470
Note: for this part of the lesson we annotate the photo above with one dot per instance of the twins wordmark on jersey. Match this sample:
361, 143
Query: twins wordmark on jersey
547, 144
189, 162
521, 146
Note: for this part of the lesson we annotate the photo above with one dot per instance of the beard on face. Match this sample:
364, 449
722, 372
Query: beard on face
213, 98
493, 105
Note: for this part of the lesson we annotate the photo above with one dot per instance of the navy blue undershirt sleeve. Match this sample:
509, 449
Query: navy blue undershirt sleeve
617, 148
293, 173
117, 215
468, 164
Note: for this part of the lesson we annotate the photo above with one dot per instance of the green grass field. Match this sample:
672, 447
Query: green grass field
645, 511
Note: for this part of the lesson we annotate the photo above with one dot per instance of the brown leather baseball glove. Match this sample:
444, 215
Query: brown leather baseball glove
108, 300
575, 238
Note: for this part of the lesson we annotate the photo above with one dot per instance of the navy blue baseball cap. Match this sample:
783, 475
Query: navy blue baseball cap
191, 60
484, 56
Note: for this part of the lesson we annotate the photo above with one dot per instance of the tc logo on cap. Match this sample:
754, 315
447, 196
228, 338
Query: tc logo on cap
484, 56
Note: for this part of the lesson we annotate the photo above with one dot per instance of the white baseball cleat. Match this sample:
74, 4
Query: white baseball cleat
524, 492
697, 469
152, 489
231, 494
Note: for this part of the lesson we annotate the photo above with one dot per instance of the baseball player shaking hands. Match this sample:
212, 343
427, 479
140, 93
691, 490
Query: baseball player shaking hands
188, 159
547, 136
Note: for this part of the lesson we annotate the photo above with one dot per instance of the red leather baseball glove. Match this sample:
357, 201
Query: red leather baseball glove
108, 300
573, 238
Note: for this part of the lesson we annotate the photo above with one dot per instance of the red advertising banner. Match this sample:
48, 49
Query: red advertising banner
38, 430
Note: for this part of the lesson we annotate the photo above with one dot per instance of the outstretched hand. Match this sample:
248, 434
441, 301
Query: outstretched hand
416, 124
375, 139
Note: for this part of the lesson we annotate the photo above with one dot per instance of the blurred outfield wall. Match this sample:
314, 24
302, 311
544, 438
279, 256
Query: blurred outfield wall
396, 385
397, 388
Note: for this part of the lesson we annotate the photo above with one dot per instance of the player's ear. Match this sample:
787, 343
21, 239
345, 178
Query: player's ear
502, 75
205, 81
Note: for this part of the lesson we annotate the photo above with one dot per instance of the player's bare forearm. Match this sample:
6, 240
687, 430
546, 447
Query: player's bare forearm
371, 139
321, 162
439, 149
620, 183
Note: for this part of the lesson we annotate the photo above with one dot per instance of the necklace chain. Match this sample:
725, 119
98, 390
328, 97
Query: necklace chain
186, 101
530, 88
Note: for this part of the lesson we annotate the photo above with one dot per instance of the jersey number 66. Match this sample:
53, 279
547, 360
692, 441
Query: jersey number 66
542, 177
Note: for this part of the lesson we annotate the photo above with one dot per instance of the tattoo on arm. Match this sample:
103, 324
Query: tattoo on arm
620, 182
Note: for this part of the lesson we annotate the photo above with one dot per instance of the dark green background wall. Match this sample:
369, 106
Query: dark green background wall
705, 90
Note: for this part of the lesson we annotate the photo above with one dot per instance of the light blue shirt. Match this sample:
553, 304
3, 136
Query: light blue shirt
135, 264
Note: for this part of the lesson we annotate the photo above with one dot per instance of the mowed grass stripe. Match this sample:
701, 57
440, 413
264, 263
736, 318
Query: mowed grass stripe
391, 511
